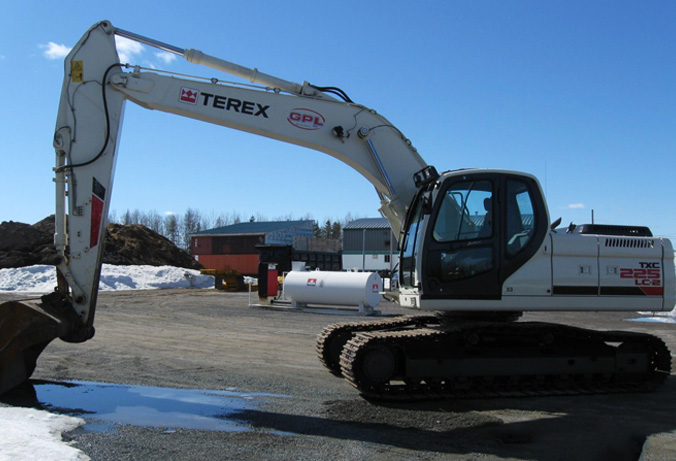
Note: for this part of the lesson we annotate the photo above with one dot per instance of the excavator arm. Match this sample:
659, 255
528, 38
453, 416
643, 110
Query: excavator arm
95, 88
94, 92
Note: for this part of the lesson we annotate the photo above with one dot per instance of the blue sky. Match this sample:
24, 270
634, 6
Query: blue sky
580, 93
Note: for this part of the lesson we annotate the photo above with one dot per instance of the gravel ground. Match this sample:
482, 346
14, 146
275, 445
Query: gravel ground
203, 339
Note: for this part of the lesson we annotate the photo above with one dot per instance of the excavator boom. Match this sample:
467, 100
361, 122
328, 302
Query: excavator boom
94, 91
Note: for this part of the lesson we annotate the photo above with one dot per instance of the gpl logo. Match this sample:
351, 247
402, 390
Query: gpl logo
306, 119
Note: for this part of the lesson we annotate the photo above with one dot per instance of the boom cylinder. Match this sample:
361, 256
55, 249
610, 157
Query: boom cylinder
198, 57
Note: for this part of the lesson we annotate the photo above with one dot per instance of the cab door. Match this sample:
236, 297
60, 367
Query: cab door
483, 227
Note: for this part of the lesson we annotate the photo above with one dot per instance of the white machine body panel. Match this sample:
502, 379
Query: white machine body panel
587, 272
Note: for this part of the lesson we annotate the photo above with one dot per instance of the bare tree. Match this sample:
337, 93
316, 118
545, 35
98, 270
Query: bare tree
135, 217
205, 223
191, 225
260, 217
179, 228
126, 218
220, 221
112, 217
349, 217
155, 222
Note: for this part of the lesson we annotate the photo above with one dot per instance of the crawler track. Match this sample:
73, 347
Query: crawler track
415, 358
332, 339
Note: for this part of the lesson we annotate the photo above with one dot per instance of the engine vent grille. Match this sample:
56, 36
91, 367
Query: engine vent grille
630, 243
611, 229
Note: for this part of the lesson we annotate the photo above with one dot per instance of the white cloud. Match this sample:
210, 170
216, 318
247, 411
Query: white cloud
170, 213
127, 49
165, 57
54, 51
573, 206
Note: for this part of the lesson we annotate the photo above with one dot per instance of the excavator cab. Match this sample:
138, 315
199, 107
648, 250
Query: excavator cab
467, 232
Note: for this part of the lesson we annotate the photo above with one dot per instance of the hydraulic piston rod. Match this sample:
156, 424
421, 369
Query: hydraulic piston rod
198, 57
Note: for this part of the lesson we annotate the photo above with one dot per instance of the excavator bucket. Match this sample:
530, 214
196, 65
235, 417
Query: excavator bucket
26, 328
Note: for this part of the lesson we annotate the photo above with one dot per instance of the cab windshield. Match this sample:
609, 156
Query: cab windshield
407, 261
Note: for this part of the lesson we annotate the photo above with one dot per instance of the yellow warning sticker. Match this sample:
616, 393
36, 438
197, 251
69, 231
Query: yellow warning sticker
76, 71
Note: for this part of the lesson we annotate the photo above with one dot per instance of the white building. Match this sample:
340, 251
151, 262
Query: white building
369, 245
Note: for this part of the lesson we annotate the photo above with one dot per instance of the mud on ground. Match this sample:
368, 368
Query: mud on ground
210, 340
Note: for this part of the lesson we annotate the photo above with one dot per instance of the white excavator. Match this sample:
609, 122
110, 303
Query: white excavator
476, 245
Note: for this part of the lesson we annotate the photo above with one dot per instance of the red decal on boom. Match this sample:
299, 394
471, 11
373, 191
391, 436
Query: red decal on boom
98, 198
306, 119
188, 95
97, 216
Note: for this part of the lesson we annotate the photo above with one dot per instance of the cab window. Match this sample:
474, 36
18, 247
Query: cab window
520, 217
408, 255
465, 212
465, 216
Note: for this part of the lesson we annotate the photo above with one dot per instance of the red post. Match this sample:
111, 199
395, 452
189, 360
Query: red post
272, 280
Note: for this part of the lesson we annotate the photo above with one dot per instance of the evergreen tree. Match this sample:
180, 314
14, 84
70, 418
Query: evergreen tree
336, 230
171, 230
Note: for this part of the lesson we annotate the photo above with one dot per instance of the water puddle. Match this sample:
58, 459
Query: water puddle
655, 319
105, 406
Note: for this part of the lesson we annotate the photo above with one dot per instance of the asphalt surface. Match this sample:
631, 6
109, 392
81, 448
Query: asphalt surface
283, 404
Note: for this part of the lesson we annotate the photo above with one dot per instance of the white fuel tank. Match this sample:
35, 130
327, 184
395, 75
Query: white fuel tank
343, 288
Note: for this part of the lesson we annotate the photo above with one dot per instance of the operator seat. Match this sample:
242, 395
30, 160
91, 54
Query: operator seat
487, 226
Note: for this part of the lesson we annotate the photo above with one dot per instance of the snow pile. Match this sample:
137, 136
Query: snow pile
41, 278
32, 278
151, 278
29, 434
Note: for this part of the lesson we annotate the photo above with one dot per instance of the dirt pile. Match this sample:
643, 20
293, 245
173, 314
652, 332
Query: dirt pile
25, 245
136, 244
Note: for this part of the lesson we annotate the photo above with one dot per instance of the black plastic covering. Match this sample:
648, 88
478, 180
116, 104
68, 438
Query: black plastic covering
611, 229
283, 255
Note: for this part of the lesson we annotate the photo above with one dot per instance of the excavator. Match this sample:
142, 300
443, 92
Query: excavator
477, 248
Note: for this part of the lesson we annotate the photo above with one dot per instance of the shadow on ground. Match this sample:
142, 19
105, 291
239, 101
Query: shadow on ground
587, 427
